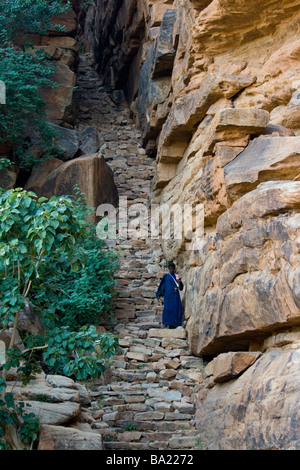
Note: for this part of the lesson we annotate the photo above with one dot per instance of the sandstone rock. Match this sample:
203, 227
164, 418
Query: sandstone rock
186, 112
287, 116
111, 417
150, 415
63, 49
62, 42
8, 178
260, 403
279, 340
229, 365
157, 366
165, 52
67, 20
135, 399
40, 390
238, 287
29, 321
170, 343
60, 381
265, 158
60, 102
183, 407
173, 353
90, 173
89, 141
162, 407
243, 281
6, 338
226, 153
62, 438
84, 396
176, 416
167, 333
40, 173
131, 436
53, 413
269, 198
276, 130
137, 356
179, 442
167, 374
190, 377
67, 141
172, 364
252, 120
167, 396
152, 377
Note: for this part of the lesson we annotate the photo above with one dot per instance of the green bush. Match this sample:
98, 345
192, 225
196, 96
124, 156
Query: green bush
24, 114
19, 18
81, 355
83, 295
48, 244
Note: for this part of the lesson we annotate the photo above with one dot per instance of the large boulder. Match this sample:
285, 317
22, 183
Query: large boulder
91, 173
60, 101
62, 438
8, 178
67, 141
29, 321
89, 140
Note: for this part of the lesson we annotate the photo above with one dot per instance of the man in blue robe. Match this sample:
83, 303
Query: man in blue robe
169, 288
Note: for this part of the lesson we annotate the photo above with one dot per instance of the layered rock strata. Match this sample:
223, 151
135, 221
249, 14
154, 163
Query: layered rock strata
217, 102
59, 404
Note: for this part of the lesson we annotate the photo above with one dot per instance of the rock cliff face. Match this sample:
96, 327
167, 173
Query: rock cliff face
214, 86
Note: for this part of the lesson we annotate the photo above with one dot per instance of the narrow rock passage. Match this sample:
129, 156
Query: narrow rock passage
148, 402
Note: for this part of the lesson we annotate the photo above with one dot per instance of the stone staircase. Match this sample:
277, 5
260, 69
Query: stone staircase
147, 402
141, 259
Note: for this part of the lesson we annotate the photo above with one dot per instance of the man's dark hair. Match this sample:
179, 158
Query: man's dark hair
171, 265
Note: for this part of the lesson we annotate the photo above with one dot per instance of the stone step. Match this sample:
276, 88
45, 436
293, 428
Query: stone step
126, 445
157, 426
149, 325
150, 320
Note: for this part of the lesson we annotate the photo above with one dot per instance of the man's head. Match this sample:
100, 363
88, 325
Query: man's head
172, 268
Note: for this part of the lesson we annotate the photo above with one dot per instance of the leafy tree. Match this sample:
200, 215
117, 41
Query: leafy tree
81, 354
80, 296
24, 115
38, 237
19, 18
33, 234
25, 73
5, 163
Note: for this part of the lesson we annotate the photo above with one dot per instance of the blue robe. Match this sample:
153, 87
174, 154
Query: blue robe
172, 313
